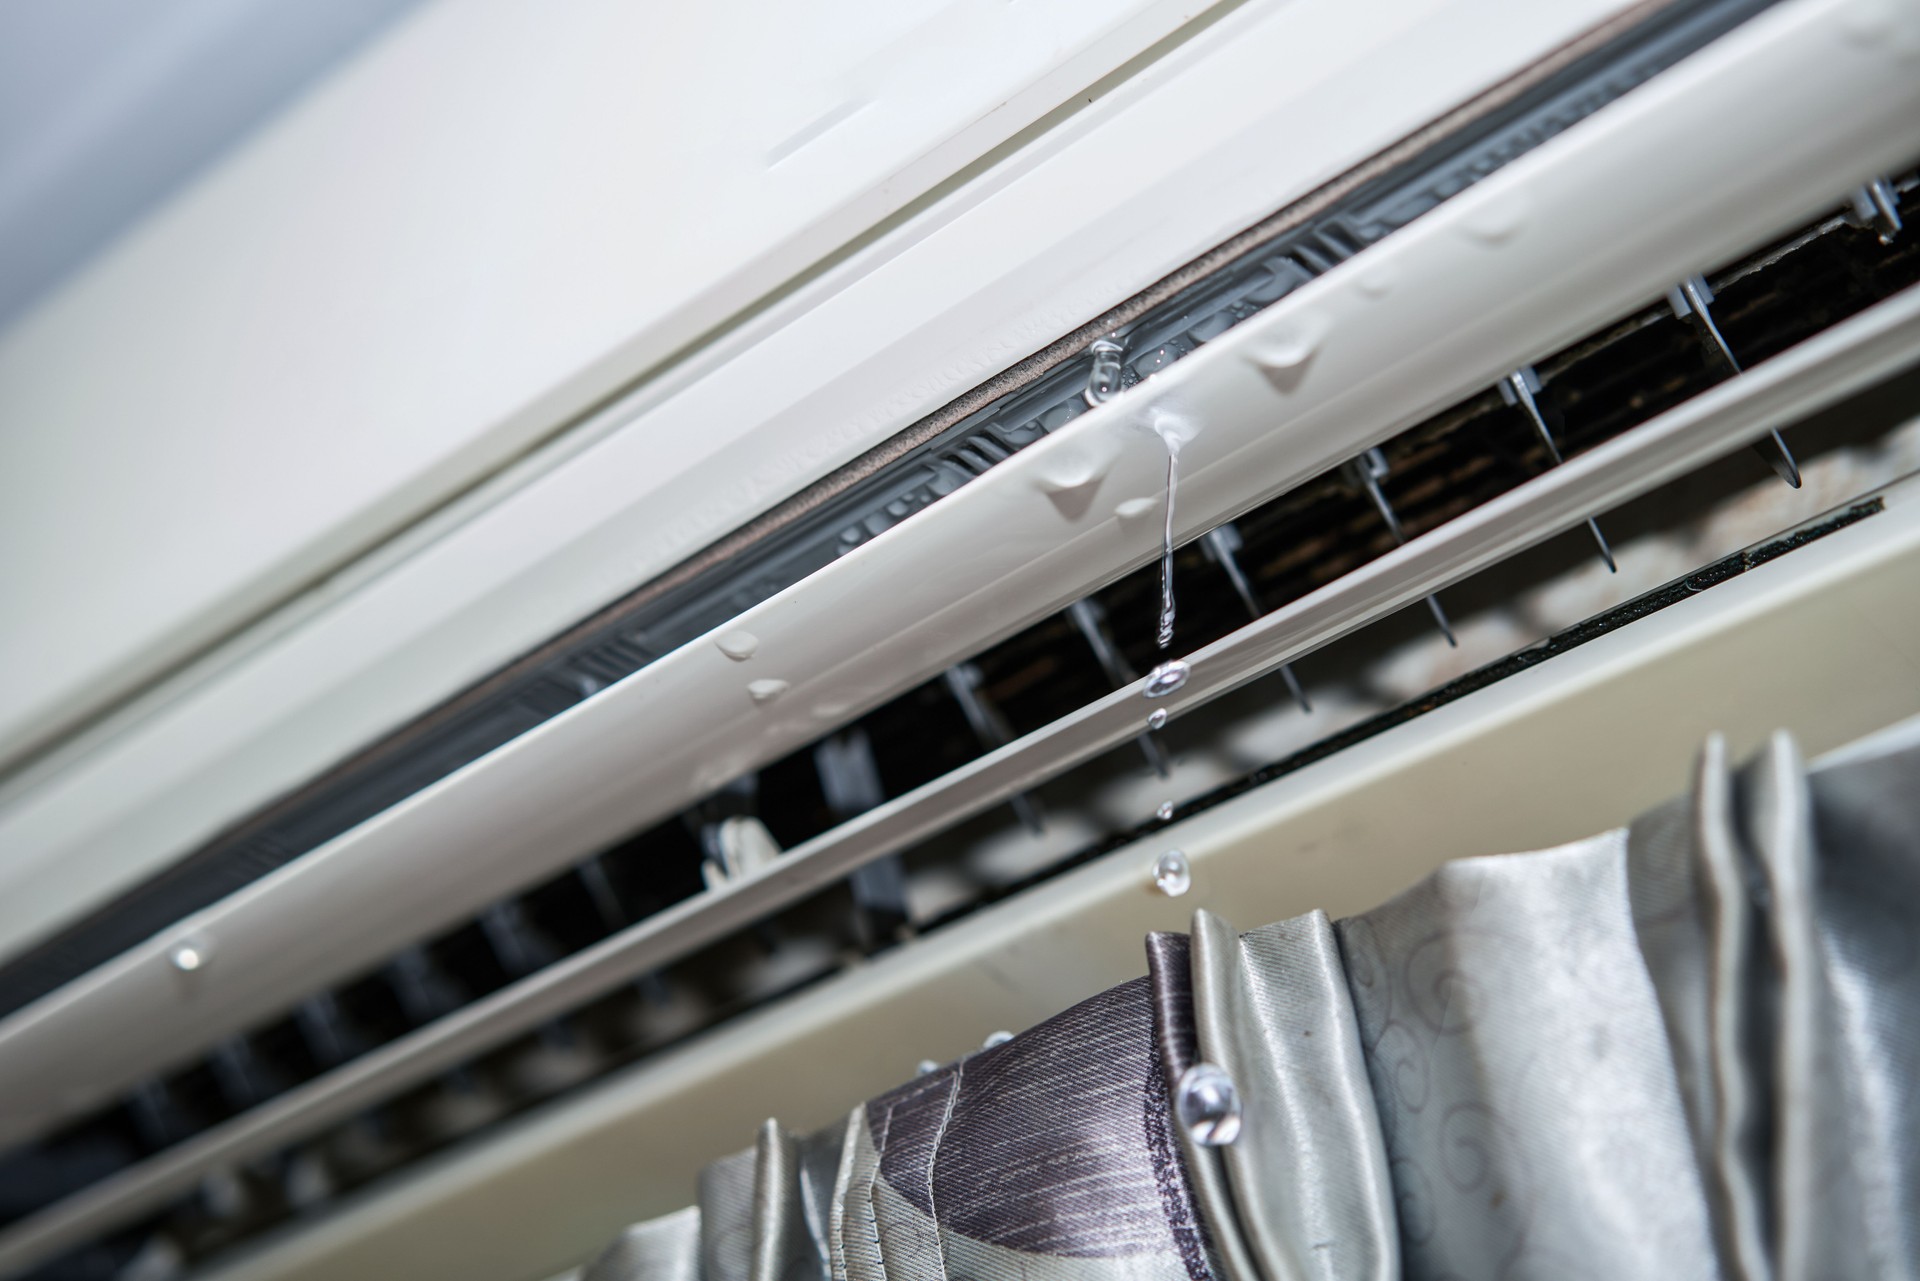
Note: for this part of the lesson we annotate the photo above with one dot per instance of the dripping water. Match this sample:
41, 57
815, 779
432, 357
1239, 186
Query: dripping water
1165, 634
1166, 678
1171, 673
1103, 379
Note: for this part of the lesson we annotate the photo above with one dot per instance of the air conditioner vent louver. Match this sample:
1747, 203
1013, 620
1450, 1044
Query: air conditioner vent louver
1163, 325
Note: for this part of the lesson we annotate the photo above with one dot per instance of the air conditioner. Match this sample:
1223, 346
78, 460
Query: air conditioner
616, 584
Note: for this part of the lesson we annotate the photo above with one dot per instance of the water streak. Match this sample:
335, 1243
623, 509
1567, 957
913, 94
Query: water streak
1165, 634
1170, 436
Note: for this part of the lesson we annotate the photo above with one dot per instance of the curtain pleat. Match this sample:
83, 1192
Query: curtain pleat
1689, 1048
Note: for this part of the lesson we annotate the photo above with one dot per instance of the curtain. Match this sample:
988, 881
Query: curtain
1689, 1048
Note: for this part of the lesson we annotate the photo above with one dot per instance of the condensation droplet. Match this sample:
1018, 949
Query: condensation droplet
1135, 508
996, 1038
1498, 218
739, 646
1172, 875
1868, 25
926, 1068
1165, 811
1288, 349
1207, 1105
1376, 281
1166, 678
187, 957
766, 691
1157, 719
1103, 380
1284, 354
1071, 469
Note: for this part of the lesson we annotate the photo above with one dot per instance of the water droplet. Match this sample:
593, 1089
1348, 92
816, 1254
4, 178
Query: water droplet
1172, 875
766, 691
996, 1038
1134, 508
1166, 678
1868, 25
1174, 430
1075, 464
1103, 380
1072, 468
1286, 351
739, 646
1498, 218
1165, 811
1157, 719
187, 956
926, 1068
1377, 280
1207, 1104
223, 1193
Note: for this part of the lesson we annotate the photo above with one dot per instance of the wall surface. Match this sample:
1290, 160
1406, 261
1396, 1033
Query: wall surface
491, 219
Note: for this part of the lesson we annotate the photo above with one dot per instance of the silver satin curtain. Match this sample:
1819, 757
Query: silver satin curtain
1686, 1049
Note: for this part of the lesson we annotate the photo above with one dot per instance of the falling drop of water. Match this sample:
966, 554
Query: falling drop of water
1207, 1102
1166, 678
1165, 811
1172, 875
1157, 719
1103, 380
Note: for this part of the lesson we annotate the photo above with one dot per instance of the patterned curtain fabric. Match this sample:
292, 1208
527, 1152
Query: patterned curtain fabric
1686, 1049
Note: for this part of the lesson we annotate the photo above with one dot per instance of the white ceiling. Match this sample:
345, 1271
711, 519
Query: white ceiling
108, 106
